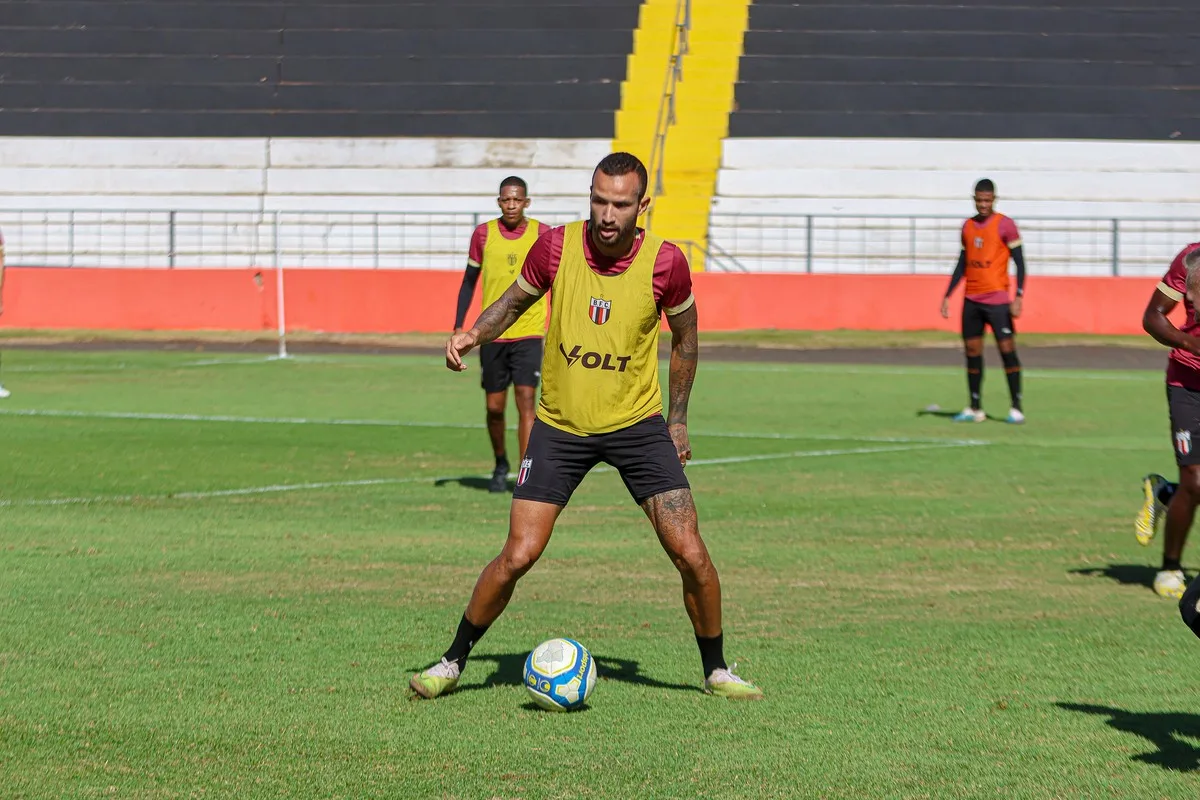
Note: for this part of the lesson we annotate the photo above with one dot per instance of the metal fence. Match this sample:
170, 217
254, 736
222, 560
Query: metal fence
738, 242
926, 244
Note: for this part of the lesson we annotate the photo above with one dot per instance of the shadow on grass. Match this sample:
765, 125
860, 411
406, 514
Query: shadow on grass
1165, 731
949, 414
508, 668
476, 482
1124, 574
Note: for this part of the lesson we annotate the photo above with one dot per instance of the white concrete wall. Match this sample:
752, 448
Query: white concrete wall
225, 193
866, 198
875, 205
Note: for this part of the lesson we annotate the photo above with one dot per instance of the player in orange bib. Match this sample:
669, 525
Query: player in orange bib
498, 248
610, 282
989, 240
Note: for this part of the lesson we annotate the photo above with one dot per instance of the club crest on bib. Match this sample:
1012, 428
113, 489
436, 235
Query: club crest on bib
1183, 442
600, 310
978, 242
512, 259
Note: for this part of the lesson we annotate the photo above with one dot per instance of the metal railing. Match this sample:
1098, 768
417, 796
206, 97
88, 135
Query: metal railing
398, 240
666, 107
930, 244
121, 238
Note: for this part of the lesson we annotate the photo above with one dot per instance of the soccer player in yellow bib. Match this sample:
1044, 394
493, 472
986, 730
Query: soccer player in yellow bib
610, 283
498, 248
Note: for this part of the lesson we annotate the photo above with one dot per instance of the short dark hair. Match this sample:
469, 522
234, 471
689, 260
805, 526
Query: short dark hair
513, 180
617, 164
985, 185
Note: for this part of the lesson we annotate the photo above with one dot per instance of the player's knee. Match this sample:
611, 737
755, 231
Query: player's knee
495, 414
693, 562
1009, 357
973, 348
516, 560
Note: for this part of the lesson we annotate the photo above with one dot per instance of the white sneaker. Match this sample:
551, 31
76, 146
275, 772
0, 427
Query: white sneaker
1015, 417
4, 393
1170, 583
724, 683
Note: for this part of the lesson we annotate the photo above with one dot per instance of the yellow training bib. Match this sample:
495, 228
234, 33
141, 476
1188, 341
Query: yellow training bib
501, 264
600, 368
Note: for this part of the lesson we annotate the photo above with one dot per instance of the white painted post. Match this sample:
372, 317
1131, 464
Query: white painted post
279, 302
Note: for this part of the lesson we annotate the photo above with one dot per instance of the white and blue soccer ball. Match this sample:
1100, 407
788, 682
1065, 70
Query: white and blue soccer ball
560, 674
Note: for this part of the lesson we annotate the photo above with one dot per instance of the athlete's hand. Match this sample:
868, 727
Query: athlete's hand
1016, 306
945, 308
459, 345
679, 436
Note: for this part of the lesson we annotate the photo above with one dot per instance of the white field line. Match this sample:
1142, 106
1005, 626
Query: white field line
392, 423
124, 367
311, 486
839, 369
278, 488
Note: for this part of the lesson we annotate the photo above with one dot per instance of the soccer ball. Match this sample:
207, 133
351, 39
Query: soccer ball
560, 674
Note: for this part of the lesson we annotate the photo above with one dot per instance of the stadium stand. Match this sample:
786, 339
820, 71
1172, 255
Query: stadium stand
165, 68
1079, 69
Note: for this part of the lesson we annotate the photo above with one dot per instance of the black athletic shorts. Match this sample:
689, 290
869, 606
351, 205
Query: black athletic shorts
518, 363
556, 461
977, 316
1184, 407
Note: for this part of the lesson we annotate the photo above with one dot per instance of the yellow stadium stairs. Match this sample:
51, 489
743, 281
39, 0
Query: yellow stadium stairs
703, 102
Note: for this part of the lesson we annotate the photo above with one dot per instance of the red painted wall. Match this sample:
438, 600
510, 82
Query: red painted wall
394, 301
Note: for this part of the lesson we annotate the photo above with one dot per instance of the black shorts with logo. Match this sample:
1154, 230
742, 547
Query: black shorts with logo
978, 316
1184, 407
556, 461
518, 363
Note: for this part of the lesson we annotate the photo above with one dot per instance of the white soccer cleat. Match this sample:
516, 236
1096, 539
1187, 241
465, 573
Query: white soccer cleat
4, 393
1170, 583
1015, 417
724, 683
970, 415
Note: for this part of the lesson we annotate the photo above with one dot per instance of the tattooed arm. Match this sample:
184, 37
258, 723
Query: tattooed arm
684, 356
495, 320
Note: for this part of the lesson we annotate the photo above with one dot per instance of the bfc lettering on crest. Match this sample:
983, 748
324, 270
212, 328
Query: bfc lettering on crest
1183, 442
523, 472
606, 362
600, 310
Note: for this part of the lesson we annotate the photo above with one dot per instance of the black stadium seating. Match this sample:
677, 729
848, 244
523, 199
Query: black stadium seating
484, 68
1073, 69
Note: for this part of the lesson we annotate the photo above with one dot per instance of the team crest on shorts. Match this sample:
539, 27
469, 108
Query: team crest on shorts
1183, 442
600, 310
523, 472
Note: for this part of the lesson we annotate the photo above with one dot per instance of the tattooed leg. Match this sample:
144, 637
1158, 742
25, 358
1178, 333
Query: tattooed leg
673, 515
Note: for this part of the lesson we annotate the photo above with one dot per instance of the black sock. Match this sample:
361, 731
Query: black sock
1166, 492
465, 638
712, 652
502, 462
1171, 564
1012, 369
975, 380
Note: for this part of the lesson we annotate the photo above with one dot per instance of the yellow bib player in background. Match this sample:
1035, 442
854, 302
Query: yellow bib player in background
498, 249
611, 283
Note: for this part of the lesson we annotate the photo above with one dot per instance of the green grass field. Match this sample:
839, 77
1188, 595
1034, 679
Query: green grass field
218, 572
